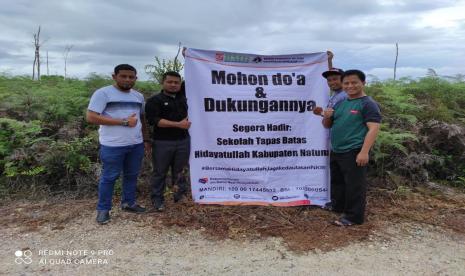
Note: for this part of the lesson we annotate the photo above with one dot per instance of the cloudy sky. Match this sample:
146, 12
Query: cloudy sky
362, 34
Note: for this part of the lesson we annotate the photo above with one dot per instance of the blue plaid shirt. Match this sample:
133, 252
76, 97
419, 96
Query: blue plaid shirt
336, 98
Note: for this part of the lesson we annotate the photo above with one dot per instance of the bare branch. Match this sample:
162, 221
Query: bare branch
36, 64
395, 63
65, 56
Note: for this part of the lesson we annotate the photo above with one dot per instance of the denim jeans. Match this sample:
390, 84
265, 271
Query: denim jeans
127, 159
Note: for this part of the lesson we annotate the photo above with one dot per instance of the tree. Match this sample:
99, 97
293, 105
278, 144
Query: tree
455, 78
157, 70
431, 73
36, 64
395, 63
47, 64
65, 55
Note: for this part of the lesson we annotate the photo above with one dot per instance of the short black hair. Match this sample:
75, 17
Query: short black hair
170, 73
355, 72
125, 67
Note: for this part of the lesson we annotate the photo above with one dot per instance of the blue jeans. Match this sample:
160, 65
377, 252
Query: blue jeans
116, 159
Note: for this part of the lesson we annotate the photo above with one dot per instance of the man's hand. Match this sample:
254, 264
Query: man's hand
318, 110
370, 137
330, 55
184, 124
330, 59
328, 113
132, 120
362, 159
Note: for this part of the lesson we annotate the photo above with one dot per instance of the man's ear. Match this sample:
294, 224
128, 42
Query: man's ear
113, 76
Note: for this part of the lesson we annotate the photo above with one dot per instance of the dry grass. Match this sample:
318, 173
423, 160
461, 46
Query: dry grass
301, 228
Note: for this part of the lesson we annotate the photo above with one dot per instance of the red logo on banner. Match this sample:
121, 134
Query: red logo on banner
219, 56
354, 111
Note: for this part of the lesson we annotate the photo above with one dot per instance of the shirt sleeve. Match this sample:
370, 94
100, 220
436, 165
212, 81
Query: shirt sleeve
330, 102
339, 98
153, 111
98, 102
371, 112
335, 107
142, 109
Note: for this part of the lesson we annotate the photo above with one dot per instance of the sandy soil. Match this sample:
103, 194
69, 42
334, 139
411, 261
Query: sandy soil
64, 239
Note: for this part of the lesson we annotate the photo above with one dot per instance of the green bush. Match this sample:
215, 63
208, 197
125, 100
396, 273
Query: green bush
54, 166
46, 146
16, 134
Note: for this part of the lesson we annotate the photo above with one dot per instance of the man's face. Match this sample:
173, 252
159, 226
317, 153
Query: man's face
353, 86
172, 84
125, 79
334, 82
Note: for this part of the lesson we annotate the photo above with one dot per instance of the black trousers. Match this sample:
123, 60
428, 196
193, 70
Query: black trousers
348, 186
166, 154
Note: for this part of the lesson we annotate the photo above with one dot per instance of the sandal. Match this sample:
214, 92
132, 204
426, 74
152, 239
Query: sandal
343, 222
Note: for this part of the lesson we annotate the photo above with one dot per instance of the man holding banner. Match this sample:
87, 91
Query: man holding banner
354, 126
334, 79
167, 113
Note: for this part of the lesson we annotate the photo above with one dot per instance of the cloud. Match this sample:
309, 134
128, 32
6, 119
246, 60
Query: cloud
412, 72
104, 33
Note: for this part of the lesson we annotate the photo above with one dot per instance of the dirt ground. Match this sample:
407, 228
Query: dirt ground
413, 232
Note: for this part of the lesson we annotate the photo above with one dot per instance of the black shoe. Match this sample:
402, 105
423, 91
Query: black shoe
328, 206
136, 208
103, 217
159, 207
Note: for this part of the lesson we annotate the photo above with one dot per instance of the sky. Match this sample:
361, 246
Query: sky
361, 34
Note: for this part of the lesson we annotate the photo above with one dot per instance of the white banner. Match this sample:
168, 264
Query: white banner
254, 137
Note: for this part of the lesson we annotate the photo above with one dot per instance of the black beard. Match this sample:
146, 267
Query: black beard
125, 87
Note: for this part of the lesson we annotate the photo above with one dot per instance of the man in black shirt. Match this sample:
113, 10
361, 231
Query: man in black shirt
167, 113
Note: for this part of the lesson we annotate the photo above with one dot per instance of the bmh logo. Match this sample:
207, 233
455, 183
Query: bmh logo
203, 180
236, 196
23, 257
202, 197
219, 56
257, 59
274, 198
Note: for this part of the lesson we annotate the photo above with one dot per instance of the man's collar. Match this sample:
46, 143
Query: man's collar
171, 95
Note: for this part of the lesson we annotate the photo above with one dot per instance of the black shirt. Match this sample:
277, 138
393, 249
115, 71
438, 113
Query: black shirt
162, 106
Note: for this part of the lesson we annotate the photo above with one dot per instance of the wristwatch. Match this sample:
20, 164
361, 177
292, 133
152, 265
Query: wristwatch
125, 122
